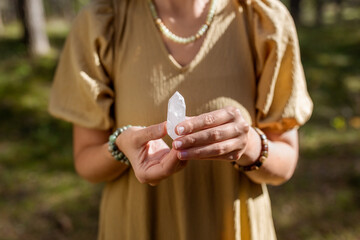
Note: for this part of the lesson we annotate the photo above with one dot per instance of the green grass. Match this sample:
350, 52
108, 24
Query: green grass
41, 197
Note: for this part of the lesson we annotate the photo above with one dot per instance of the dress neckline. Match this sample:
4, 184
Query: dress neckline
164, 50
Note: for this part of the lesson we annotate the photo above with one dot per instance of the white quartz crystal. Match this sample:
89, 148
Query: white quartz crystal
176, 113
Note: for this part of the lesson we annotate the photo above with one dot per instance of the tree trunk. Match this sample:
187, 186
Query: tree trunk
295, 10
3, 5
339, 5
31, 13
319, 12
1, 22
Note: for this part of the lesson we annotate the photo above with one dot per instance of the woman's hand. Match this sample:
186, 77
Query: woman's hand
218, 135
150, 157
225, 135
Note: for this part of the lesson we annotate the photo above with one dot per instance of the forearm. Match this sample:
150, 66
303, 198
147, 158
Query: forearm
92, 160
282, 159
96, 164
151, 158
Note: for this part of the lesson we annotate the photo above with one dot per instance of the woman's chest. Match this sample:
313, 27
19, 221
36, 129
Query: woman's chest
221, 74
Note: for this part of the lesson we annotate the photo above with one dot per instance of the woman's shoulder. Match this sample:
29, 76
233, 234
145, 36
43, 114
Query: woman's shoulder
273, 10
269, 18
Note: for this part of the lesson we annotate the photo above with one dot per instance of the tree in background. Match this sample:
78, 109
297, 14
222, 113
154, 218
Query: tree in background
319, 5
31, 13
2, 6
295, 10
1, 22
319, 11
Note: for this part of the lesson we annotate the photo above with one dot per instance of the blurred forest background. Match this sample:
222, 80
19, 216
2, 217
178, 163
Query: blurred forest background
41, 197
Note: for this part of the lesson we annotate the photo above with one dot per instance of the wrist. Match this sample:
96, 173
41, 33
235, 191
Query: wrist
113, 145
255, 165
252, 150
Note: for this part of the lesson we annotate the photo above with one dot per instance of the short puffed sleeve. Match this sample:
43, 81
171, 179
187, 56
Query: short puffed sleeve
282, 100
82, 88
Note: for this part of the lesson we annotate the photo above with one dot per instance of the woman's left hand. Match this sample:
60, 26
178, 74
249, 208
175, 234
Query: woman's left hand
217, 135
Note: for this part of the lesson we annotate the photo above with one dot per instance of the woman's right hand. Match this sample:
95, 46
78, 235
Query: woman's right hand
150, 157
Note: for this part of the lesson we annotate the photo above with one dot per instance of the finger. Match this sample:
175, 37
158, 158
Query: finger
170, 163
231, 156
208, 136
181, 165
167, 166
152, 132
211, 150
154, 184
207, 120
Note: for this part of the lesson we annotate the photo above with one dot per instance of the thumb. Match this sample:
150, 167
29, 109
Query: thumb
152, 132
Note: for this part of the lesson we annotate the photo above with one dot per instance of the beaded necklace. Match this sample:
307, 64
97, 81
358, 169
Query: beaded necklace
175, 38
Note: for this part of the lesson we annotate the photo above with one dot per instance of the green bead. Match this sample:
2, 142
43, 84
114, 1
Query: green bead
110, 148
113, 149
112, 138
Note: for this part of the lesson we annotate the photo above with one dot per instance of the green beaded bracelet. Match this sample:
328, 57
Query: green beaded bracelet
114, 150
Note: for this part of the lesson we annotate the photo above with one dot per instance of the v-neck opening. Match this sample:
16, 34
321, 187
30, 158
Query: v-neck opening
164, 49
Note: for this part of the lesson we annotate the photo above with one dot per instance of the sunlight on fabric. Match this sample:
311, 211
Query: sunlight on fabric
96, 59
237, 219
91, 82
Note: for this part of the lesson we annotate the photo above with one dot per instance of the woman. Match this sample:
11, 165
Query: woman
237, 65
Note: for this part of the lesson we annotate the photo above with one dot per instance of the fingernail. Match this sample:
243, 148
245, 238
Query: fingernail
180, 130
177, 144
182, 154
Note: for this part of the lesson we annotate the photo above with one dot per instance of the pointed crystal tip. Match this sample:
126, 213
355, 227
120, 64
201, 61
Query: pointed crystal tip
176, 113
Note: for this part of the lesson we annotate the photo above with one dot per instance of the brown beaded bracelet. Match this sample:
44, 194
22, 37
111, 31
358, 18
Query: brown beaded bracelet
263, 154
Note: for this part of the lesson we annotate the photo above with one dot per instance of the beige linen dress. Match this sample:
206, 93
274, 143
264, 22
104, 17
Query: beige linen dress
115, 70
